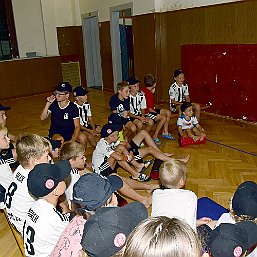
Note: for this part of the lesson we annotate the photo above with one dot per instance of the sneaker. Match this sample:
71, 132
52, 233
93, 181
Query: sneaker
141, 178
169, 136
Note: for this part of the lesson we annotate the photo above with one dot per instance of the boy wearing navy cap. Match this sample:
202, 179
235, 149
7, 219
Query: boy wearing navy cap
44, 223
106, 232
65, 125
87, 126
105, 158
233, 240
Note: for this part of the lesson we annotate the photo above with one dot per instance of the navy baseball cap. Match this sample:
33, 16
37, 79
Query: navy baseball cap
54, 143
116, 119
177, 73
109, 128
64, 87
106, 232
45, 177
132, 81
4, 108
230, 240
92, 190
244, 201
79, 91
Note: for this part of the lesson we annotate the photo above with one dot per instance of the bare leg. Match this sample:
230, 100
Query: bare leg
149, 124
143, 135
140, 186
129, 192
155, 153
167, 114
161, 120
82, 139
197, 109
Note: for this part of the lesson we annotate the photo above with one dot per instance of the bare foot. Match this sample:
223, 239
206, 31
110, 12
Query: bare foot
147, 201
152, 187
185, 159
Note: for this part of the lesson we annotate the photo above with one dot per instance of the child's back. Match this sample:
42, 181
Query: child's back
171, 200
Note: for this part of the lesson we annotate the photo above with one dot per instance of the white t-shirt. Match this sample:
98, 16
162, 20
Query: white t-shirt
175, 203
101, 154
69, 190
185, 124
137, 103
84, 113
43, 228
178, 93
18, 199
6, 174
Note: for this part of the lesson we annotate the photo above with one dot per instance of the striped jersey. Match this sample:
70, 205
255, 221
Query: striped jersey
84, 113
137, 103
178, 93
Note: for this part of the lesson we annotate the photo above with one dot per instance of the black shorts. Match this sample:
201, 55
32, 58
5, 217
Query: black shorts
134, 149
108, 171
153, 115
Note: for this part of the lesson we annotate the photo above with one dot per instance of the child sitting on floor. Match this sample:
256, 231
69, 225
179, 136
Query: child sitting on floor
91, 192
171, 199
161, 116
44, 223
179, 94
32, 149
5, 170
187, 123
87, 124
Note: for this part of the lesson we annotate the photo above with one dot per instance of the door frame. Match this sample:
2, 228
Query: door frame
115, 41
90, 15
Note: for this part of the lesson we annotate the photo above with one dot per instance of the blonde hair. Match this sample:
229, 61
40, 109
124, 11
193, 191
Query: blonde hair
31, 146
162, 236
122, 85
171, 172
71, 150
241, 218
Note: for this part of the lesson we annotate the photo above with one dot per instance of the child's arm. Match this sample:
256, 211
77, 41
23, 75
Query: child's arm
49, 100
91, 122
76, 130
181, 132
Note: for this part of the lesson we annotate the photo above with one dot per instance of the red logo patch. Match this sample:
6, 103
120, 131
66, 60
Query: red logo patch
119, 240
238, 251
49, 184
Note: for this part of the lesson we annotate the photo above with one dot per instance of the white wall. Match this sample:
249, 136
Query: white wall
29, 26
171, 5
103, 6
35, 25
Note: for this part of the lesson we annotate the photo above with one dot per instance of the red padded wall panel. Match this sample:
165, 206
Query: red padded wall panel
224, 75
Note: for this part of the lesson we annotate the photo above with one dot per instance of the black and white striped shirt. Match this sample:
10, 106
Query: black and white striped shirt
84, 113
178, 93
137, 103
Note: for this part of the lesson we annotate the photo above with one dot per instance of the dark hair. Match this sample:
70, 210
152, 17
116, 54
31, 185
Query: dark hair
185, 105
149, 80
177, 73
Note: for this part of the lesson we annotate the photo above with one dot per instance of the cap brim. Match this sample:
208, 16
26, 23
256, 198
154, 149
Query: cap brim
4, 108
65, 169
116, 182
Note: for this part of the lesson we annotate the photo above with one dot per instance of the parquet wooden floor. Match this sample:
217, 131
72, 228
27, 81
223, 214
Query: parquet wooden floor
214, 170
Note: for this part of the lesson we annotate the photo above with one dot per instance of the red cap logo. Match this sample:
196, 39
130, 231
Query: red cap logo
119, 240
238, 251
49, 184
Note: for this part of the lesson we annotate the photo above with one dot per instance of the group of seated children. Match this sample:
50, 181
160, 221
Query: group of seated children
63, 209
